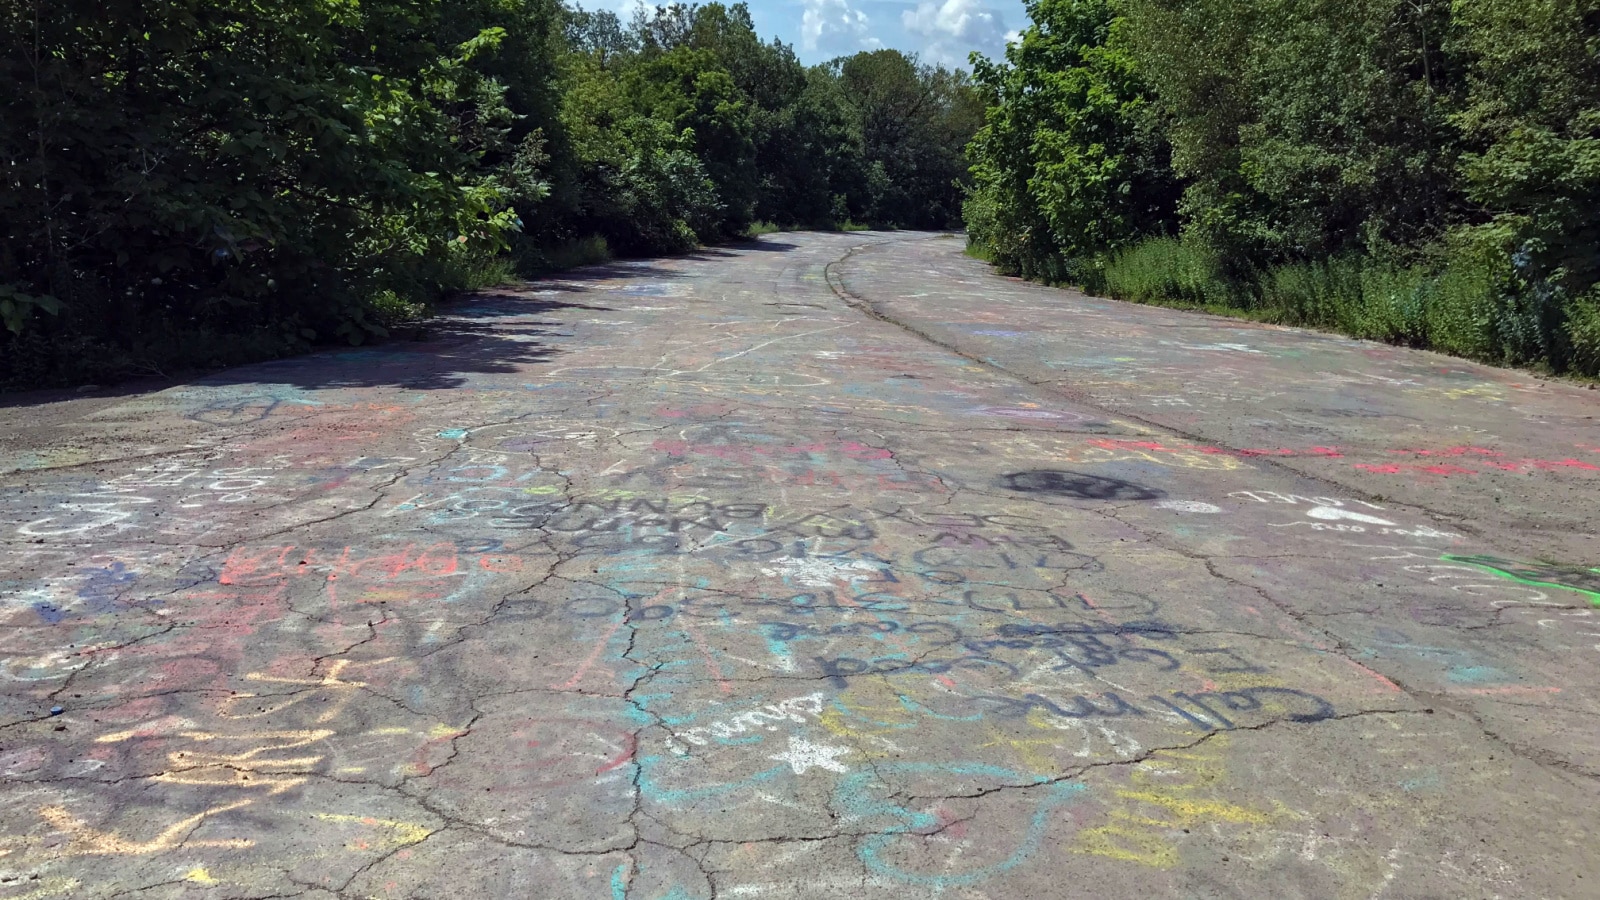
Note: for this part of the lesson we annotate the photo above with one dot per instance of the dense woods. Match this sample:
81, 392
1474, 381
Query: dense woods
1419, 171
203, 182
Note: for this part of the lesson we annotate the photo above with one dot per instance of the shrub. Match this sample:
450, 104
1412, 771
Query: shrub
1583, 328
532, 260
1167, 269
1459, 318
1320, 294
1531, 312
1393, 305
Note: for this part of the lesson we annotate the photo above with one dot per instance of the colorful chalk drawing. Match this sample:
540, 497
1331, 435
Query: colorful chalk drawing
674, 602
857, 797
1537, 574
1168, 794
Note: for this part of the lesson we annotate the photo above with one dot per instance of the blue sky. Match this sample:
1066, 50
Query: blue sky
940, 31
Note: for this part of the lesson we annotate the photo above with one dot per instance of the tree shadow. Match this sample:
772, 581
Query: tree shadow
736, 249
88, 395
500, 331
583, 280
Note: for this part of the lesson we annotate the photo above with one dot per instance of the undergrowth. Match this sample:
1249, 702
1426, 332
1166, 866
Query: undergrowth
1471, 300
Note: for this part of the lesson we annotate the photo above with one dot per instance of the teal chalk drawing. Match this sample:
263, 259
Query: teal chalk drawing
1475, 675
669, 797
619, 886
1422, 782
1536, 574
854, 798
453, 434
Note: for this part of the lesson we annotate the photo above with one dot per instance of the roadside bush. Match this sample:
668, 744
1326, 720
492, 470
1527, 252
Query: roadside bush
1320, 294
1473, 300
1168, 269
1531, 313
1424, 172
1459, 318
1352, 295
1583, 327
530, 259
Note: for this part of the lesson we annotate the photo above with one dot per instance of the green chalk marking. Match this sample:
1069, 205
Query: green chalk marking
1528, 574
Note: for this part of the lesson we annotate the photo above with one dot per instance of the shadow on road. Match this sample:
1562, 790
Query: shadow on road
485, 332
488, 333
743, 247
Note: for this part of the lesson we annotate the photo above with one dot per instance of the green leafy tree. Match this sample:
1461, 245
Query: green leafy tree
1531, 125
198, 182
1070, 164
288, 171
1304, 129
913, 120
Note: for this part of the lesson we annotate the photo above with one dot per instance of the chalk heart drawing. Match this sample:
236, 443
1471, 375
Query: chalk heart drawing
803, 755
1189, 506
1331, 513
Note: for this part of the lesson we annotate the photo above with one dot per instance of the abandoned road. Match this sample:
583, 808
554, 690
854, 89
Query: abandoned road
827, 566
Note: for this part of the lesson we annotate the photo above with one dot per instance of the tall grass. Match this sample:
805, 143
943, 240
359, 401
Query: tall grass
1472, 301
1168, 270
1377, 302
760, 227
1583, 325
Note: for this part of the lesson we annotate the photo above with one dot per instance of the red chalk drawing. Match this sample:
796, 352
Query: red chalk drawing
747, 452
1490, 460
404, 573
1158, 447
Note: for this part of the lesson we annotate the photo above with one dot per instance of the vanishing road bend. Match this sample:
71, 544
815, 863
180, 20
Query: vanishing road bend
827, 566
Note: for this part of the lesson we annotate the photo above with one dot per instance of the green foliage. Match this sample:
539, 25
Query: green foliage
684, 127
196, 168
1529, 123
529, 259
1068, 166
1347, 294
198, 182
17, 307
1583, 326
913, 121
1303, 128
1474, 301
1417, 171
1166, 269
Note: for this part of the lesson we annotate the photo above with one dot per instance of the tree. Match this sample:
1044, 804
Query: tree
1304, 129
913, 121
1070, 164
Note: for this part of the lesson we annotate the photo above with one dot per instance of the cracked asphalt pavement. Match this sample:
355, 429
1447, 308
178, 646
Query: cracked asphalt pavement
826, 566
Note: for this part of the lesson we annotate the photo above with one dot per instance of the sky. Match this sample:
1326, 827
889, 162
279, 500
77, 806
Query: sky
939, 31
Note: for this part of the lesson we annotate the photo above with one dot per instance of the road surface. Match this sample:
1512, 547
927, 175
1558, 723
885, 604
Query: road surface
830, 566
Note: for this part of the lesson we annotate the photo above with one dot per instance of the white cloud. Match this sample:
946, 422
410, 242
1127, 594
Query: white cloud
834, 26
956, 27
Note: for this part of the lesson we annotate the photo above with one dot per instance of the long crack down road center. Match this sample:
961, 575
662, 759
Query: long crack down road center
828, 566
